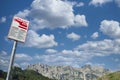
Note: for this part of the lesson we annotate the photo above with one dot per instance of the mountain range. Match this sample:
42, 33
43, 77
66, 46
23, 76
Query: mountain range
86, 72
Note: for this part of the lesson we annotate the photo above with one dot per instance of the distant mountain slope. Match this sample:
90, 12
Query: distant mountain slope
87, 72
111, 76
19, 74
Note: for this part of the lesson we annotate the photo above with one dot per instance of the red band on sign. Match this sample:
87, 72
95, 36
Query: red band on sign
23, 27
22, 24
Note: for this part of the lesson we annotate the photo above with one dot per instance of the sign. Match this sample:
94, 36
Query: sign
18, 29
17, 32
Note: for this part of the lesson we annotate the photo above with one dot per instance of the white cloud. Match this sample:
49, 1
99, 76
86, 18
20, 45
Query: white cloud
53, 14
110, 28
71, 52
3, 20
22, 57
94, 35
51, 51
4, 60
21, 60
24, 65
60, 13
80, 20
3, 53
101, 48
73, 36
116, 59
118, 67
117, 2
80, 4
43, 41
82, 53
99, 2
73, 58
96, 66
65, 57
16, 64
23, 13
58, 59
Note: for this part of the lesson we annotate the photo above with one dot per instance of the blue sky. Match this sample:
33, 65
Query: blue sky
63, 32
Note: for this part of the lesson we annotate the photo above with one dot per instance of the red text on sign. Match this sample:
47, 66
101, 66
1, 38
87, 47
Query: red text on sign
22, 24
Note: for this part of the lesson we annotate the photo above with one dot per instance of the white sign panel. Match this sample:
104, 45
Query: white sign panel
18, 29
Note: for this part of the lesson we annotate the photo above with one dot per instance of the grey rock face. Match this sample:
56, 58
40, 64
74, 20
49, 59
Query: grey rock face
87, 72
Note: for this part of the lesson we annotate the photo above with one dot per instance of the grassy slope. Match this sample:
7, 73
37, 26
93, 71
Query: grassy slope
19, 74
111, 76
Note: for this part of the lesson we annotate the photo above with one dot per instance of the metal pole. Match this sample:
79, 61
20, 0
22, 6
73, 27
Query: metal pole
11, 60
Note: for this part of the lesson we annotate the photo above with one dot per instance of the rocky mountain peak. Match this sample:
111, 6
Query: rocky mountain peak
86, 72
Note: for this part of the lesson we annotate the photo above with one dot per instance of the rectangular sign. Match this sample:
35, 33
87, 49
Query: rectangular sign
18, 29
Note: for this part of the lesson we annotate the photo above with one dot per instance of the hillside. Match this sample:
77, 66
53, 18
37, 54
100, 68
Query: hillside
111, 76
2, 75
19, 74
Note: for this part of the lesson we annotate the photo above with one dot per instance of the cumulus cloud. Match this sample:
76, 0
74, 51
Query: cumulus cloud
72, 53
65, 57
22, 57
3, 20
110, 28
23, 60
60, 58
80, 20
4, 60
73, 36
99, 2
101, 48
79, 54
80, 4
116, 59
96, 65
43, 41
94, 35
24, 65
3, 53
51, 51
23, 13
16, 64
117, 2
53, 14
20, 60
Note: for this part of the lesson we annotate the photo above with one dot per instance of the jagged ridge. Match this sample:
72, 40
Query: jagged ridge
87, 72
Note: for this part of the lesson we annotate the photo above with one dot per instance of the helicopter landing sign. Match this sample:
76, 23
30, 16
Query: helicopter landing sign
18, 29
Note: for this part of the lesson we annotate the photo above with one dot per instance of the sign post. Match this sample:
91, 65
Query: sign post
17, 32
11, 60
